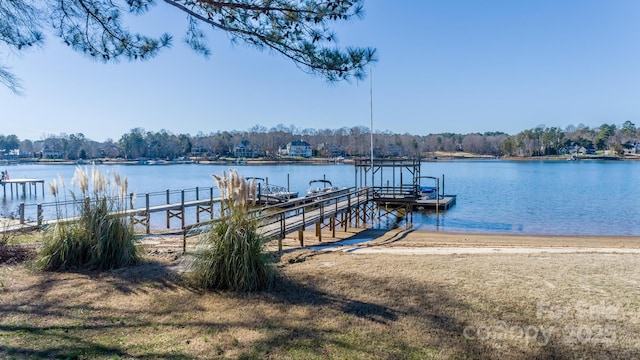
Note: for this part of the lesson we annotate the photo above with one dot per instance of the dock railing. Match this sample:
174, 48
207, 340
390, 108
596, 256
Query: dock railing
173, 202
404, 191
276, 221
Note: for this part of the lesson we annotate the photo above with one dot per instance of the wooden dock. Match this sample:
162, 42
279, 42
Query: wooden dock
22, 183
335, 209
285, 221
346, 207
442, 202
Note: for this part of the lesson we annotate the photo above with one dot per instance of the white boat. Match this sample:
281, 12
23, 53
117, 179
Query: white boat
427, 192
271, 192
321, 188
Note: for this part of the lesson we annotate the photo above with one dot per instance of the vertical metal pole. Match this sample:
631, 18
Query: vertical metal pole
371, 115
443, 186
438, 199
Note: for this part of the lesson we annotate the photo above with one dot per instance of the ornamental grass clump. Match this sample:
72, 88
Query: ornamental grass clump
231, 255
100, 236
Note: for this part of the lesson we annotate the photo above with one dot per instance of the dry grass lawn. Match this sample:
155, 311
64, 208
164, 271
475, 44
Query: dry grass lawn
340, 305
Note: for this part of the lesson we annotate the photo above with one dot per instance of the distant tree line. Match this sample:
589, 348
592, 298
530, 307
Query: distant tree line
348, 142
543, 141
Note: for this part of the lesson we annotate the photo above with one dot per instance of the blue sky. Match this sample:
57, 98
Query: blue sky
444, 66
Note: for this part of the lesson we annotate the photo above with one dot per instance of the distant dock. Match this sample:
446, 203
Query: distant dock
22, 183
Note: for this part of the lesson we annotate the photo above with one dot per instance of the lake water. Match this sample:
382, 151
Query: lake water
496, 196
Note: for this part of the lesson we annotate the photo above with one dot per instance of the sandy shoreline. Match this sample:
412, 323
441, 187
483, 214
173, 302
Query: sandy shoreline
416, 242
398, 241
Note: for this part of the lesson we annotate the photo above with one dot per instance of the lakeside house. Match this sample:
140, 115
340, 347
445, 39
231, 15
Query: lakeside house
577, 150
244, 149
297, 148
330, 150
51, 153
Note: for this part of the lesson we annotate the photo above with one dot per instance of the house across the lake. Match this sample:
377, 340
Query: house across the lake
297, 148
244, 149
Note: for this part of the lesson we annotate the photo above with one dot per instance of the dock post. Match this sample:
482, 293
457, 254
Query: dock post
333, 226
39, 211
318, 231
182, 207
211, 200
197, 206
168, 212
21, 213
184, 240
146, 213
282, 231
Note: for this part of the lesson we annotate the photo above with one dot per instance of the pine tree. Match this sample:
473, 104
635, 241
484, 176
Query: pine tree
298, 30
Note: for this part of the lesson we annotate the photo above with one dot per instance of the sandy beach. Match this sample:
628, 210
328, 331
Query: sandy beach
415, 242
421, 238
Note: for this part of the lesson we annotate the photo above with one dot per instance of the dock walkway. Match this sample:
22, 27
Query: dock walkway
33, 184
286, 221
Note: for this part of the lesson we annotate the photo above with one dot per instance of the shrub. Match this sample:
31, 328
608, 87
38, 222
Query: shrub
231, 255
101, 236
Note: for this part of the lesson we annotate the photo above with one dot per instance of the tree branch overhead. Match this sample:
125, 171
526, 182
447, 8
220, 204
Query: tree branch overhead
298, 30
